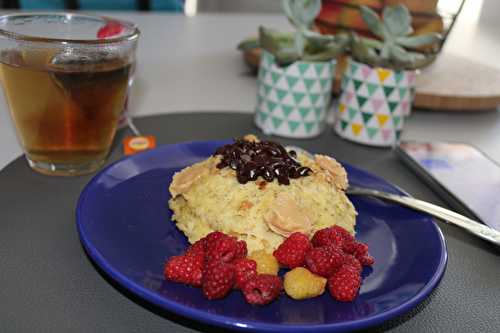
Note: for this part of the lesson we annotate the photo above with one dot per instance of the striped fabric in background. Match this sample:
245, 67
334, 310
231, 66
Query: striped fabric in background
166, 5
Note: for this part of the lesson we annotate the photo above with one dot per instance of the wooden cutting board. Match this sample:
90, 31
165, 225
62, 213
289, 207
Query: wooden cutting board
451, 83
457, 84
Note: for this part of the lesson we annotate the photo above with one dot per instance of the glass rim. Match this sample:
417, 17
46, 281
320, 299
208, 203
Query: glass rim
133, 35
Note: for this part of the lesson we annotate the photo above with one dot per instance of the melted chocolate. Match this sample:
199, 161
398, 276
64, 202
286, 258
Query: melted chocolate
266, 159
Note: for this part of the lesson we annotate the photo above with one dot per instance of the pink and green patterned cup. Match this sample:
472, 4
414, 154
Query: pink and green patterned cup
373, 104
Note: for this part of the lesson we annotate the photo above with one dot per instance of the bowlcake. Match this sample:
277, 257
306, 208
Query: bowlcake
259, 193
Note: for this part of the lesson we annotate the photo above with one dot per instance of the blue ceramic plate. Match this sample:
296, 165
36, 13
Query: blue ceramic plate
124, 224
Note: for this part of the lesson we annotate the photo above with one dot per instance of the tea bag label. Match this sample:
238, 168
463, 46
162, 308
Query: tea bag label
136, 144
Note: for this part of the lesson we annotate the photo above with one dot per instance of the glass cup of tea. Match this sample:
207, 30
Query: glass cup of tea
65, 78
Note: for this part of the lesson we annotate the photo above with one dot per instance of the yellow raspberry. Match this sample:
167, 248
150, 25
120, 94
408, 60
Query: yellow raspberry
300, 283
266, 262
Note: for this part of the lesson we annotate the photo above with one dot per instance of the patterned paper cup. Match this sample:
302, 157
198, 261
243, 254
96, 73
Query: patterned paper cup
373, 104
292, 101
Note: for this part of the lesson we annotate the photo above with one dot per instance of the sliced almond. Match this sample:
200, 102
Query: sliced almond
336, 171
287, 217
184, 179
251, 138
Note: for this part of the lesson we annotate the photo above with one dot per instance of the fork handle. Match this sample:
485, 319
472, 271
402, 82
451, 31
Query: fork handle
474, 227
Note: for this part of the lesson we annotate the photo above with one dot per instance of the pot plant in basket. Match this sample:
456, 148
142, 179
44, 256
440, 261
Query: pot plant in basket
295, 74
378, 83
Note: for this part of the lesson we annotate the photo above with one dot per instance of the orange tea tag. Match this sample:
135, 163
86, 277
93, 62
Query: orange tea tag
136, 144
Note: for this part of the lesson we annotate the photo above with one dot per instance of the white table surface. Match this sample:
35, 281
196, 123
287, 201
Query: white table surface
190, 64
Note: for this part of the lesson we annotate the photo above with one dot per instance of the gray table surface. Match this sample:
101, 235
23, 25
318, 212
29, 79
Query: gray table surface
48, 284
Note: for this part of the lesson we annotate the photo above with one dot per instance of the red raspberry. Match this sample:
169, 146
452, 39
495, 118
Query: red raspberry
210, 264
262, 289
346, 235
324, 260
367, 260
344, 284
351, 261
241, 249
214, 237
111, 29
218, 280
355, 248
327, 236
292, 252
219, 247
198, 248
334, 235
244, 269
184, 269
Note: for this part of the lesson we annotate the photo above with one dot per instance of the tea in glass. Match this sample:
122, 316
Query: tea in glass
65, 101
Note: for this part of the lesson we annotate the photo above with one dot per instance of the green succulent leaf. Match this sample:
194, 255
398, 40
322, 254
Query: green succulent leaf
300, 43
271, 39
327, 52
373, 21
280, 45
362, 52
286, 57
301, 13
397, 20
326, 55
316, 39
342, 38
287, 8
268, 40
393, 31
416, 41
385, 52
303, 43
317, 43
248, 44
370, 42
400, 55
279, 36
427, 60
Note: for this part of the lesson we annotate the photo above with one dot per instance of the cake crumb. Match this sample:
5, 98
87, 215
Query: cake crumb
245, 205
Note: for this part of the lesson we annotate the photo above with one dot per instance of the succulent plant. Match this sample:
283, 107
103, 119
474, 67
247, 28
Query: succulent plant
392, 50
302, 44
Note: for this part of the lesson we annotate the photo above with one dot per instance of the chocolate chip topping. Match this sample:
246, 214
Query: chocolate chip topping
266, 159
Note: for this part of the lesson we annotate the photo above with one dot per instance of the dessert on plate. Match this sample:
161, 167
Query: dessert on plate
252, 210
258, 192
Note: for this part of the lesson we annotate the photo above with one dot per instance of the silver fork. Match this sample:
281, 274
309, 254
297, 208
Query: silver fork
478, 229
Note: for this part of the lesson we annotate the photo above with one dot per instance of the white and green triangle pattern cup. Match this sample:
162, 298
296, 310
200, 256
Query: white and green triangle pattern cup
292, 101
373, 104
